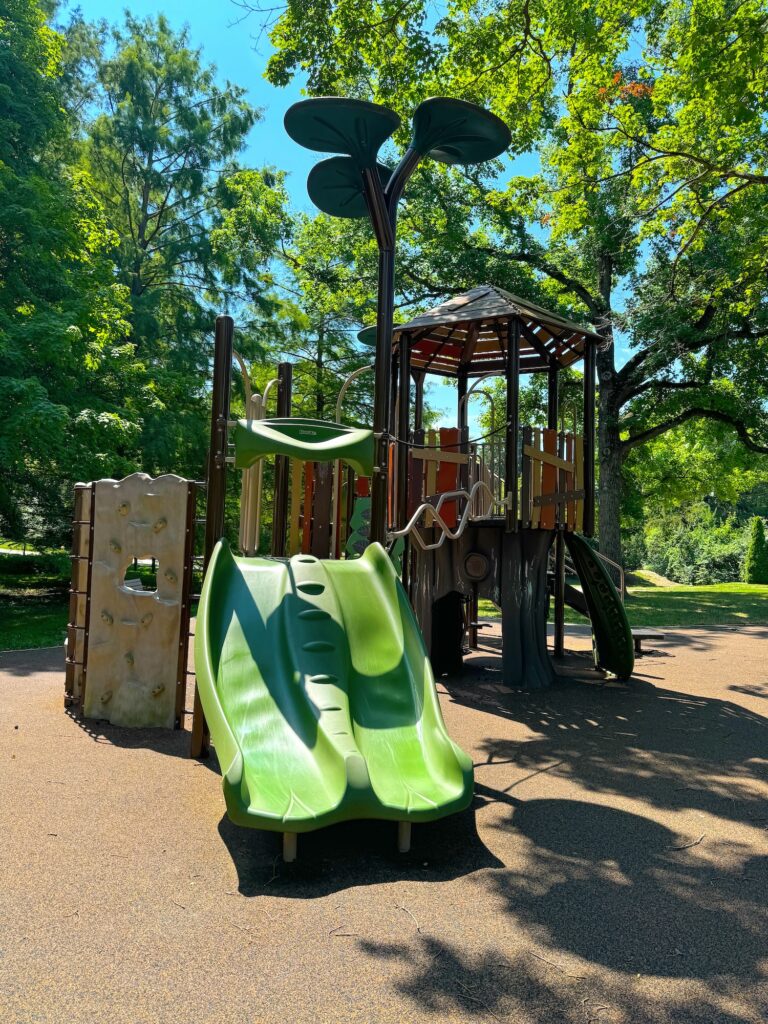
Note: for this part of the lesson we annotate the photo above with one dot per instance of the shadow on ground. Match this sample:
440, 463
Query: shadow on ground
355, 853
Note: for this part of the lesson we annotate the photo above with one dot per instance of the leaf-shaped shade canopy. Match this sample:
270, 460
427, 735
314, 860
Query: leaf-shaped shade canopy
457, 132
333, 124
367, 336
335, 186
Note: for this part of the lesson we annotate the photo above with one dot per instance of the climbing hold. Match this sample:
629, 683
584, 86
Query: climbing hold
146, 618
106, 697
124, 508
157, 690
106, 617
114, 546
170, 575
160, 525
128, 658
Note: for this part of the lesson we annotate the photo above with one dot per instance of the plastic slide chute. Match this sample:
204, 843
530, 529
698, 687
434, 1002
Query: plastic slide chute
319, 694
610, 625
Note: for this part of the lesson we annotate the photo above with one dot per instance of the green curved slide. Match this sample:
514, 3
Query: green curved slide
610, 626
319, 694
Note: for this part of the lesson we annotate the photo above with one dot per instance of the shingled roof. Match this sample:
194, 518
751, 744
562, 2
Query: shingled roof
469, 332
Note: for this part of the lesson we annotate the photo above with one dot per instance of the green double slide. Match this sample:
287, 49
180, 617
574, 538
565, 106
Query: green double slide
319, 694
610, 626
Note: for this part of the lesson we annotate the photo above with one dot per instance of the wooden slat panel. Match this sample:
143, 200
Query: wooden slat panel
550, 458
579, 461
431, 474
536, 467
294, 532
307, 518
570, 508
525, 490
548, 480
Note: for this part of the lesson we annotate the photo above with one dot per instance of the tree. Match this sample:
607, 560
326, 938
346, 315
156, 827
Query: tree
648, 122
196, 231
756, 559
68, 389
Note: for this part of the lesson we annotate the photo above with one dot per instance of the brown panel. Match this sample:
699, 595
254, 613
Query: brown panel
321, 510
307, 518
548, 481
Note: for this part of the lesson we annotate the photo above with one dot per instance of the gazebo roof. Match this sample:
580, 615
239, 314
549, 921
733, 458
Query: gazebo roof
469, 332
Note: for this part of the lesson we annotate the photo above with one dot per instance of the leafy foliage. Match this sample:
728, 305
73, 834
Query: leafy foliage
756, 559
648, 212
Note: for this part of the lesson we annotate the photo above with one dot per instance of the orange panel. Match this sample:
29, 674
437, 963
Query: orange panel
362, 486
448, 473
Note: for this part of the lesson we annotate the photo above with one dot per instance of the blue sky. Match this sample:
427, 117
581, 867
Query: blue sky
230, 42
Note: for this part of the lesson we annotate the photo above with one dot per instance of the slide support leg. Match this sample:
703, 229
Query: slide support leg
289, 847
403, 836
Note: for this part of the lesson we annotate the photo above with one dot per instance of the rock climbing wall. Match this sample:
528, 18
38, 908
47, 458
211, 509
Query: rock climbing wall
134, 634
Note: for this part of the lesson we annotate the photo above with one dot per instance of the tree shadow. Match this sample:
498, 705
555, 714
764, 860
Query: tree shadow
621, 890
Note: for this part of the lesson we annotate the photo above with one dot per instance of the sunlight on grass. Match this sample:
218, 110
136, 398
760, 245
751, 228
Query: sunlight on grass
721, 604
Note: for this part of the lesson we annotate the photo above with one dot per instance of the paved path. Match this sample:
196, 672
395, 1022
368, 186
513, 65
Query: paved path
613, 867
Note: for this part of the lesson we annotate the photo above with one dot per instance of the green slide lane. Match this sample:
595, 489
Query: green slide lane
613, 635
319, 694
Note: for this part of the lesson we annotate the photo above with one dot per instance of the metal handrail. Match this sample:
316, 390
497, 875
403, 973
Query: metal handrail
571, 568
434, 511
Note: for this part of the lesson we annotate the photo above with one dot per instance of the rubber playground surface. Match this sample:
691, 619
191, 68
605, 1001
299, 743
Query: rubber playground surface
612, 869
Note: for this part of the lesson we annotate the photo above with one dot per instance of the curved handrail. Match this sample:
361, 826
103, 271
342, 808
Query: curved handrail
609, 561
434, 511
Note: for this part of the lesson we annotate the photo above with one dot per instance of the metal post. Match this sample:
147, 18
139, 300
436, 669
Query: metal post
463, 419
589, 439
552, 395
403, 427
280, 507
513, 421
381, 394
559, 594
216, 484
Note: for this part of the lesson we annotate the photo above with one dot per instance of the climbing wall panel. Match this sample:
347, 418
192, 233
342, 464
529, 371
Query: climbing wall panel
132, 656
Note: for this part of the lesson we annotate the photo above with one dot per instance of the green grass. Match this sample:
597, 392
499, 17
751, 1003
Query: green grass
34, 607
722, 604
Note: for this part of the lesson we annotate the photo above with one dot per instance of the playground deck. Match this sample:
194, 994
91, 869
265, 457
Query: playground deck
613, 868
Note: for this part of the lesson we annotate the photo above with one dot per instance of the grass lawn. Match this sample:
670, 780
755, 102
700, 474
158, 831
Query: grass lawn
722, 604
34, 607
34, 602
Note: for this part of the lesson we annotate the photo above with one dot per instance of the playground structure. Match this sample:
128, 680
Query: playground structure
313, 672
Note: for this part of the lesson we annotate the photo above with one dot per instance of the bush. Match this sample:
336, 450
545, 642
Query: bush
53, 564
694, 546
756, 559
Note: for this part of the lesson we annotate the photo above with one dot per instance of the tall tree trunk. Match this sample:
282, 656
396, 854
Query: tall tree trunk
610, 462
608, 436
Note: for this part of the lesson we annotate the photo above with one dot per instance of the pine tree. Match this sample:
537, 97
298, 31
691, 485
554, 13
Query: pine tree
756, 560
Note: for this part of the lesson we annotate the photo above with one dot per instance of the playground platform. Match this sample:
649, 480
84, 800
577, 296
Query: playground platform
613, 867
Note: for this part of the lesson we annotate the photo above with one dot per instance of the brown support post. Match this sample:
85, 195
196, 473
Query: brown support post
559, 594
186, 591
216, 484
589, 439
552, 395
513, 421
403, 428
280, 506
418, 405
462, 420
87, 623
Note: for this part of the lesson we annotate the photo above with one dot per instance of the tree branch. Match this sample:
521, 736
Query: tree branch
692, 414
